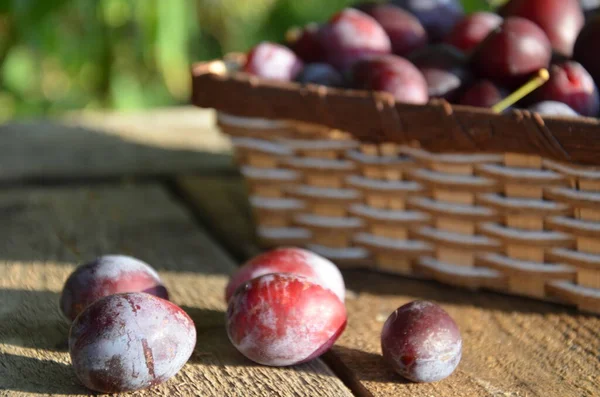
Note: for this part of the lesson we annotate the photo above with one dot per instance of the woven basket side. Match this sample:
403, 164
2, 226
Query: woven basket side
514, 223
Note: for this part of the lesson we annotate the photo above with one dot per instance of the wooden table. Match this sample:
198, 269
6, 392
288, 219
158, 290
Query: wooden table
161, 186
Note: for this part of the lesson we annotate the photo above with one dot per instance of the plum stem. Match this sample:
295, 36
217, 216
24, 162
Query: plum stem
533, 84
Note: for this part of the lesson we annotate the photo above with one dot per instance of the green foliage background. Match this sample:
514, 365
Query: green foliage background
60, 55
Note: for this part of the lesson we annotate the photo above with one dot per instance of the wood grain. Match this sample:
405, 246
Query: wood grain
513, 347
99, 145
46, 232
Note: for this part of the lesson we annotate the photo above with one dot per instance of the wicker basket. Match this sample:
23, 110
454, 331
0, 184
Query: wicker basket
521, 219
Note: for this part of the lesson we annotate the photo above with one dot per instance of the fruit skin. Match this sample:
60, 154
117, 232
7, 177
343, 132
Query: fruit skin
437, 16
404, 30
351, 35
305, 43
108, 275
421, 342
561, 20
482, 93
472, 30
513, 52
290, 260
321, 73
570, 83
445, 68
284, 319
392, 74
552, 108
589, 7
130, 341
585, 51
273, 61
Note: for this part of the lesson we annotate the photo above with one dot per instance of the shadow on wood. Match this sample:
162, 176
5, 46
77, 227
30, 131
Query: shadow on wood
69, 226
47, 151
32, 319
38, 376
374, 366
365, 281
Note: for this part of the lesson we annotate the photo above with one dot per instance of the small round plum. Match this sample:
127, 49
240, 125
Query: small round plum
561, 20
393, 74
284, 319
130, 341
590, 8
483, 94
471, 31
305, 43
108, 275
273, 61
321, 73
404, 29
351, 35
290, 260
572, 84
421, 342
445, 69
437, 16
553, 108
513, 52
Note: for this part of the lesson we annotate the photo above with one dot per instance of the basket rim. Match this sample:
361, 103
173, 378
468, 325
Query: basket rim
438, 126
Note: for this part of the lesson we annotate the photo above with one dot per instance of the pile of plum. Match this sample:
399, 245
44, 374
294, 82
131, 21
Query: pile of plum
417, 50
125, 334
285, 307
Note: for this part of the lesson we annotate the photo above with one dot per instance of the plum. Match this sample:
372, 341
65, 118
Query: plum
320, 73
421, 342
107, 275
351, 35
472, 30
284, 319
570, 83
561, 20
513, 52
553, 108
305, 43
404, 30
445, 69
290, 260
393, 74
130, 341
483, 93
273, 61
437, 16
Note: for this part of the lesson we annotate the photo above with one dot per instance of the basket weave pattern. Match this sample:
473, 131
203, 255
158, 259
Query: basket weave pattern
514, 223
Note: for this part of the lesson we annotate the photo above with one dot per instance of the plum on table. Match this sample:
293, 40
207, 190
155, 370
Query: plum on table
107, 275
421, 342
284, 319
130, 341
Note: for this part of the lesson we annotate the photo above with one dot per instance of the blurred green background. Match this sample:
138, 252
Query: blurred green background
61, 55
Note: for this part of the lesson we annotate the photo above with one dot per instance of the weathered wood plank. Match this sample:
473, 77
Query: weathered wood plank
86, 145
46, 232
512, 346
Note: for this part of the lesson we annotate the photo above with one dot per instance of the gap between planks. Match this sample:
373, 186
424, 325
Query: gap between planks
512, 347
